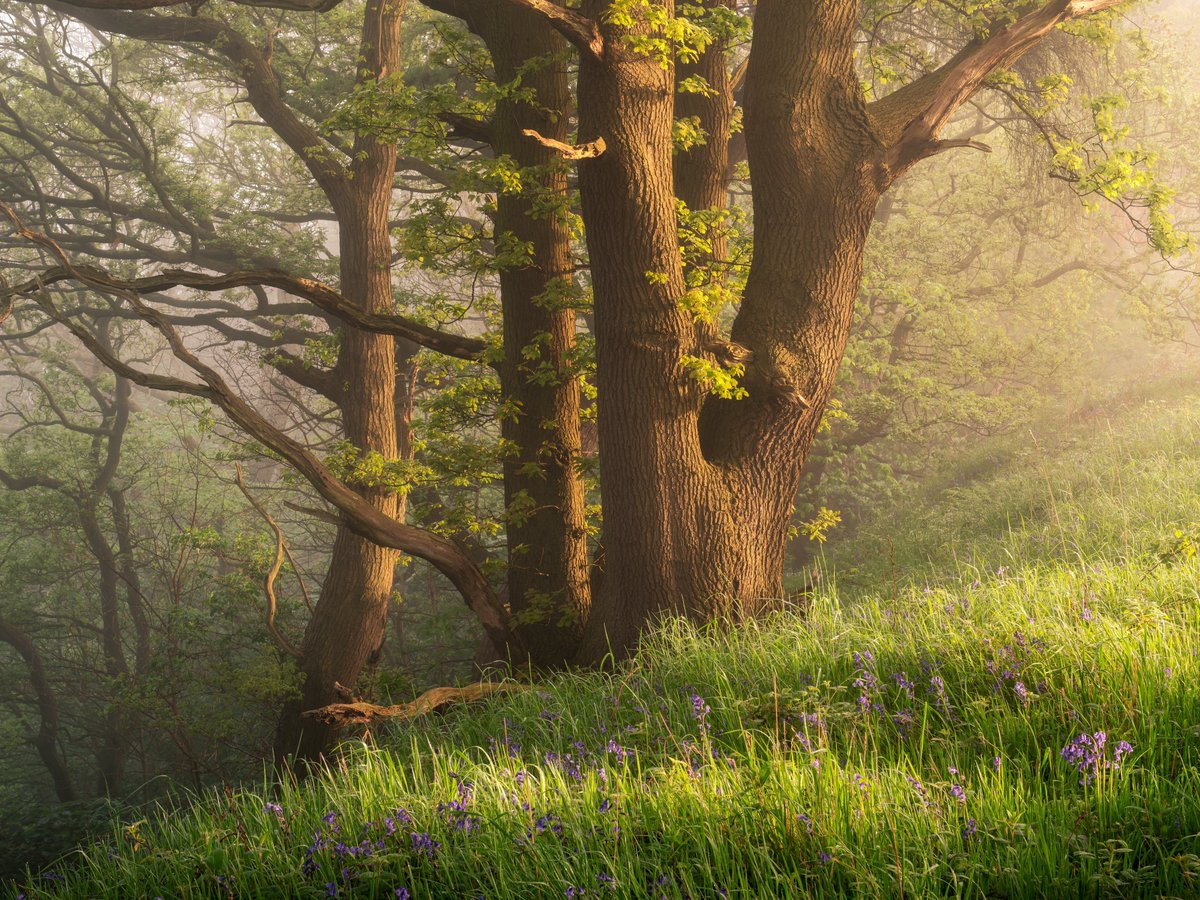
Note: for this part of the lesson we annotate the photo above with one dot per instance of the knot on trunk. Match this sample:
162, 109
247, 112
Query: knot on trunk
728, 353
778, 374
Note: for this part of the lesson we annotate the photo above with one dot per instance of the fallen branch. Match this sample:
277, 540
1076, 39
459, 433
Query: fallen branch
364, 713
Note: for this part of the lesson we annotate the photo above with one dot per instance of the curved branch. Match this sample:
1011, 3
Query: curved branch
249, 65
137, 5
431, 700
577, 28
320, 295
46, 741
273, 572
910, 119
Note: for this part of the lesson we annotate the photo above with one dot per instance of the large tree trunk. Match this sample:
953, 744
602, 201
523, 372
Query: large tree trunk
349, 620
548, 577
698, 491
663, 502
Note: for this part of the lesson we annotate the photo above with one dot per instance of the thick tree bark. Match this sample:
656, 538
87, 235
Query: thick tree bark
663, 502
698, 491
548, 577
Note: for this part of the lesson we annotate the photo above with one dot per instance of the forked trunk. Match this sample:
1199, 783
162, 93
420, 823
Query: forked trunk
698, 491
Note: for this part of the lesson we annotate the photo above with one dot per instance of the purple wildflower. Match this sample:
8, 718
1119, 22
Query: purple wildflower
700, 710
425, 845
1086, 755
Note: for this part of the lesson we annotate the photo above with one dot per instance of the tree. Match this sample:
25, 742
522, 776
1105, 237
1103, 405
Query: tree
698, 489
702, 439
356, 180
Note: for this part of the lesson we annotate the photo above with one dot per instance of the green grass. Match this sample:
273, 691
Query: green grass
747, 761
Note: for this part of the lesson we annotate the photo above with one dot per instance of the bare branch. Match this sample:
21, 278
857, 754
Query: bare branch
273, 572
135, 5
360, 516
317, 293
590, 150
249, 65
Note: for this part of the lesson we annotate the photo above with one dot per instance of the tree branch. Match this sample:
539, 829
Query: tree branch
46, 741
133, 5
590, 150
910, 119
431, 700
315, 292
250, 67
273, 572
577, 28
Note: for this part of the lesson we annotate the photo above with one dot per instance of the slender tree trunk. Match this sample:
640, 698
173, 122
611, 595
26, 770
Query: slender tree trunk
349, 620
46, 740
134, 599
548, 577
116, 732
113, 750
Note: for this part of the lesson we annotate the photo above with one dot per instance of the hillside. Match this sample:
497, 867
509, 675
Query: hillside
995, 692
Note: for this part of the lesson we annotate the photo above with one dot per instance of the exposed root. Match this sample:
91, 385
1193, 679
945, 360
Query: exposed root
364, 713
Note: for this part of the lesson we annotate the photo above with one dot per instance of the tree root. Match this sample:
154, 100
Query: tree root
364, 713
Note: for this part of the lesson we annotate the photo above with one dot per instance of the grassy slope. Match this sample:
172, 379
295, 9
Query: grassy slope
906, 744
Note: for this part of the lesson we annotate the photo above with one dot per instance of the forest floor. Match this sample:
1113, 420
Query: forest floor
995, 693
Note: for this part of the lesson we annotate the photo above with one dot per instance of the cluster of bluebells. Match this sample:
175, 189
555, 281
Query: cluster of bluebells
700, 711
866, 682
1009, 663
455, 810
923, 792
941, 700
604, 884
1088, 755
810, 724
